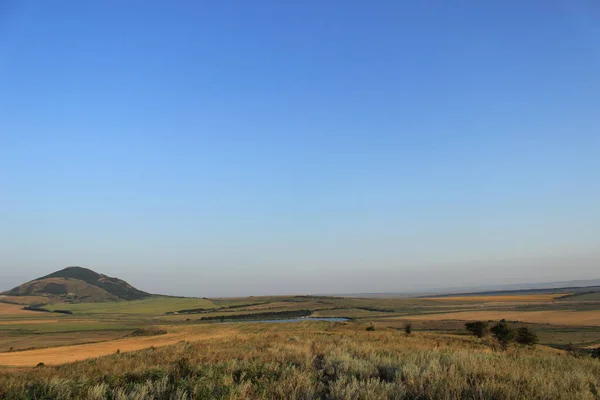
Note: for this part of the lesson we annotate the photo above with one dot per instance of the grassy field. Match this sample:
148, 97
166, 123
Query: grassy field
313, 361
501, 298
306, 359
150, 306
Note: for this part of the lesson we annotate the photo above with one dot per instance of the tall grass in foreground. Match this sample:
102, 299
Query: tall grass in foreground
316, 365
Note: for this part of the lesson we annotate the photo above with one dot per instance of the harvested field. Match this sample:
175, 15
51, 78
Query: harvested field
66, 354
16, 342
150, 306
14, 309
28, 321
510, 298
575, 318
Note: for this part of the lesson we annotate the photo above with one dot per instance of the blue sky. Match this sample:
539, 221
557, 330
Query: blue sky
235, 148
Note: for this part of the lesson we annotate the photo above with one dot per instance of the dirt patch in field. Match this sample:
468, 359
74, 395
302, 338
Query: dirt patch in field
510, 298
29, 321
576, 318
14, 309
66, 354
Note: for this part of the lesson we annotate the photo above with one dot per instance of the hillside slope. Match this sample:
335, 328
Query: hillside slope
81, 284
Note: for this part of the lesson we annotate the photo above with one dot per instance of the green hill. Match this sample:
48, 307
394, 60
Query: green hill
78, 284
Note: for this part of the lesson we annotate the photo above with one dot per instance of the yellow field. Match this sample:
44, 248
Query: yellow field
67, 354
29, 321
575, 318
510, 298
13, 310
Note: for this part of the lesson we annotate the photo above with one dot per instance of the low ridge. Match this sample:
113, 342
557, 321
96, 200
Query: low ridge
79, 284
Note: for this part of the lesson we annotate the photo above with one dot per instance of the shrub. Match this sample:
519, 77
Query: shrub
370, 328
596, 353
148, 332
477, 328
503, 333
408, 328
526, 336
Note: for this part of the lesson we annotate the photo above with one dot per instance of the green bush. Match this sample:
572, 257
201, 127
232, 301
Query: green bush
526, 336
477, 328
503, 333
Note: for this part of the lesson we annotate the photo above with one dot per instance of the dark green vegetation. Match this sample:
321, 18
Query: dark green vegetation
477, 328
151, 331
504, 333
78, 284
42, 309
526, 337
260, 316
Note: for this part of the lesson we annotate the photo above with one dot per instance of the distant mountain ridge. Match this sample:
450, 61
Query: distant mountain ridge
79, 284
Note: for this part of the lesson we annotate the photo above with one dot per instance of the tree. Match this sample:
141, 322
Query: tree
503, 333
408, 328
596, 353
477, 328
526, 336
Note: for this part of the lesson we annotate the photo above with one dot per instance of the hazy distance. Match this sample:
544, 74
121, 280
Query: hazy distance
270, 148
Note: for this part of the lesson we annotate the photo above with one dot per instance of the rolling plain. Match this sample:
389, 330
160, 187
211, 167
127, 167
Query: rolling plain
79, 334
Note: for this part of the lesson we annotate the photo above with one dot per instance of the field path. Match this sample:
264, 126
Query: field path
67, 354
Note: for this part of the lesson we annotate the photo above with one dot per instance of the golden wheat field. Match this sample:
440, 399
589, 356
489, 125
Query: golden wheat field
501, 298
567, 317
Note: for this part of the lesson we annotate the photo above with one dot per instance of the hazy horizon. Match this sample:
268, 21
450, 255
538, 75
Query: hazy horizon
268, 148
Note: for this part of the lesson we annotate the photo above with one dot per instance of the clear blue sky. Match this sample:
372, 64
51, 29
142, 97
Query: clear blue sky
257, 147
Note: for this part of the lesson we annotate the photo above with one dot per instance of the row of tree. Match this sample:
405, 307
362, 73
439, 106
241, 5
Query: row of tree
503, 332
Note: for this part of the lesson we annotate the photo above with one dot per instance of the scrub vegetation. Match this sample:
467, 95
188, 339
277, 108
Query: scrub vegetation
316, 360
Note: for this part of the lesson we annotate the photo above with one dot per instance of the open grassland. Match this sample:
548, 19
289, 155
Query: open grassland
66, 354
24, 300
151, 305
18, 341
196, 358
523, 298
567, 317
312, 360
583, 297
29, 321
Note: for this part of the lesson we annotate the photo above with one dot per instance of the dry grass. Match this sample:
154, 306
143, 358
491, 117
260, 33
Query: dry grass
28, 321
66, 354
15, 310
315, 361
523, 298
29, 341
24, 300
574, 318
